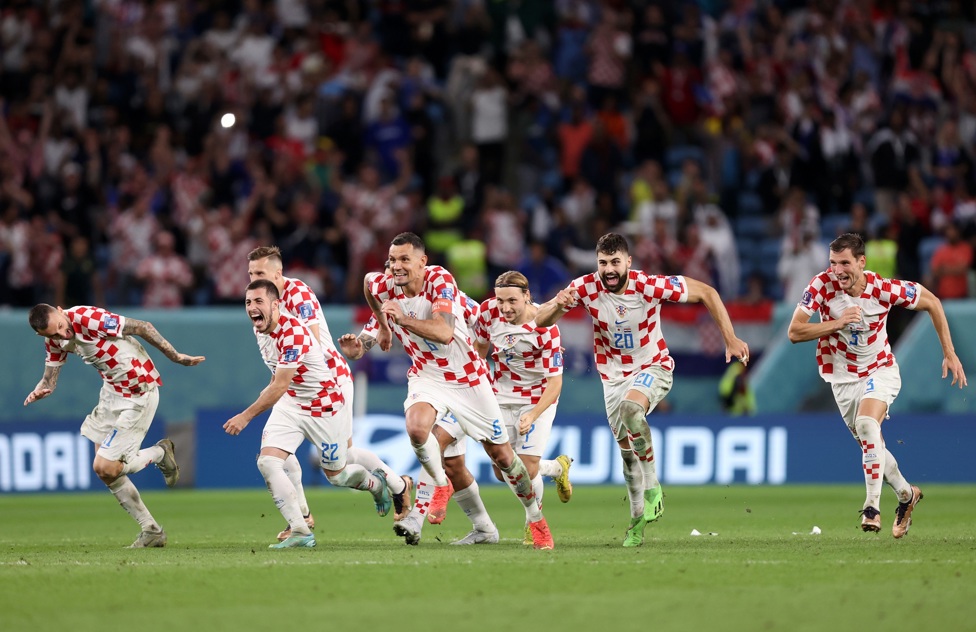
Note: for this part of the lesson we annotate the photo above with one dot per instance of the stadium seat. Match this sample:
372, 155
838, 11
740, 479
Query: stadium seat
927, 248
750, 203
677, 154
751, 227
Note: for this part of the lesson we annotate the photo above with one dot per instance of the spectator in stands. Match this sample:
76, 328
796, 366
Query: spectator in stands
546, 274
892, 150
165, 274
799, 262
949, 268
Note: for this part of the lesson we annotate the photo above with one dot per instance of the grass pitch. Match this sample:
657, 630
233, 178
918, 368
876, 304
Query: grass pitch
63, 565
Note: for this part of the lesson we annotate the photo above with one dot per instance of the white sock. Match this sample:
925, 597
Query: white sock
894, 478
634, 478
429, 455
356, 477
550, 468
283, 494
424, 494
538, 488
128, 496
293, 469
872, 459
517, 478
469, 500
143, 458
359, 456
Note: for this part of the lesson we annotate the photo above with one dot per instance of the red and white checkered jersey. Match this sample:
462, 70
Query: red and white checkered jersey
627, 336
291, 345
121, 359
299, 300
524, 355
471, 311
861, 348
456, 363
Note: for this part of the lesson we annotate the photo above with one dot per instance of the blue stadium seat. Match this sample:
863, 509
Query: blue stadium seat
751, 227
750, 203
927, 248
679, 153
831, 225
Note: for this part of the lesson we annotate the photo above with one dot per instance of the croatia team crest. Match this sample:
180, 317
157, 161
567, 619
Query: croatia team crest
621, 310
510, 340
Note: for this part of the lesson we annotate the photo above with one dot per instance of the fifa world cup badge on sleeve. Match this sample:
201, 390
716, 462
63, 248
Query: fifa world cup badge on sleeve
290, 355
111, 323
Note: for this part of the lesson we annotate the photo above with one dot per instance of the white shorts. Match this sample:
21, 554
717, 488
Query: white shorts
119, 424
532, 443
654, 383
474, 407
884, 385
289, 425
449, 424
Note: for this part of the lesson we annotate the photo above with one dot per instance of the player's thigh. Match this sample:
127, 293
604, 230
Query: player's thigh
654, 383
533, 442
330, 436
119, 424
476, 410
285, 427
883, 386
449, 425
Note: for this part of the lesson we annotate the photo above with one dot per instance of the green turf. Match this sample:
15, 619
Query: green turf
63, 565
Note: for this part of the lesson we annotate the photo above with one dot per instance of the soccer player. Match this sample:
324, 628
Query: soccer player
446, 374
307, 402
300, 301
633, 359
528, 378
453, 446
126, 403
854, 357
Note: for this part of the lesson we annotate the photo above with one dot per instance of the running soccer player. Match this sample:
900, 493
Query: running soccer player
854, 357
633, 359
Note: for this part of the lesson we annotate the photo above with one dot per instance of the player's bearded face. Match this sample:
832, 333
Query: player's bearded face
58, 327
613, 270
260, 309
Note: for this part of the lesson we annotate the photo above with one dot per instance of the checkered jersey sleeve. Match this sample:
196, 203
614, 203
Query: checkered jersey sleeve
816, 295
657, 288
587, 288
300, 301
551, 355
381, 287
54, 355
440, 284
371, 328
95, 322
294, 342
895, 292
483, 322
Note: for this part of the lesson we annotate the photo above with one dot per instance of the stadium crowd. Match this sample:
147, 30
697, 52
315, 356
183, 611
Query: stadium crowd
147, 146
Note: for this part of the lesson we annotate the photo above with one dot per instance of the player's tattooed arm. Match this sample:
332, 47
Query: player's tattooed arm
147, 331
49, 381
367, 342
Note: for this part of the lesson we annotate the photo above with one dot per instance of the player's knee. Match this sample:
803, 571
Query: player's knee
865, 425
107, 471
631, 414
269, 464
338, 478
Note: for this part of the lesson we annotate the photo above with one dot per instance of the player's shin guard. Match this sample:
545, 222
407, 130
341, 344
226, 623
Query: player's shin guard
872, 458
633, 417
634, 478
128, 496
894, 478
429, 455
517, 478
283, 493
293, 469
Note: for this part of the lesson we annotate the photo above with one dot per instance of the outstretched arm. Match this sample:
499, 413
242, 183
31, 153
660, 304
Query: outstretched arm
699, 292
269, 397
355, 346
49, 381
145, 330
553, 309
950, 362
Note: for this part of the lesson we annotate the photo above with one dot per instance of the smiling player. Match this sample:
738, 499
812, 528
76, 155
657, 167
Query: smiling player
854, 357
